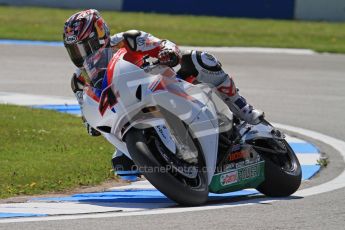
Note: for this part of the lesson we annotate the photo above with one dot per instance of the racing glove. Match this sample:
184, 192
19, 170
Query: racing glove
76, 83
168, 57
77, 86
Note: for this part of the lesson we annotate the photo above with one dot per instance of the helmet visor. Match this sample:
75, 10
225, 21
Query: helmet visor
79, 51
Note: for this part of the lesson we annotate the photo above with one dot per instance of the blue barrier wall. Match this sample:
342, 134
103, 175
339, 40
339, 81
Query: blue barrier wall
279, 9
327, 10
70, 4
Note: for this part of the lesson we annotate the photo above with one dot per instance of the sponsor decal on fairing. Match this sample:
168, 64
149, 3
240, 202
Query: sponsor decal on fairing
228, 178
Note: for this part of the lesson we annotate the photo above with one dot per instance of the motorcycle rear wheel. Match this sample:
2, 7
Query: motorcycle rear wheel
283, 176
146, 156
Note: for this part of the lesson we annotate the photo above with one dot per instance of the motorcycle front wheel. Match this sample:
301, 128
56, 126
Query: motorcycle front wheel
150, 156
283, 174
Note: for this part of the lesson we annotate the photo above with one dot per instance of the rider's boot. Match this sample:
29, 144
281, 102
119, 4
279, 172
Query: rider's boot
124, 166
238, 104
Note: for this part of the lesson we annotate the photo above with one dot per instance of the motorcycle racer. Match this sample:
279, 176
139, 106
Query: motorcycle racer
86, 32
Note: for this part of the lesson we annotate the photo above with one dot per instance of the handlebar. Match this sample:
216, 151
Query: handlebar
156, 62
146, 63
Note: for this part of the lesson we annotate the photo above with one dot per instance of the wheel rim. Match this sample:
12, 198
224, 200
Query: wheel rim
286, 162
279, 152
165, 157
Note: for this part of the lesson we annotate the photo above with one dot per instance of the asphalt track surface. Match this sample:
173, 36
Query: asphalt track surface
306, 91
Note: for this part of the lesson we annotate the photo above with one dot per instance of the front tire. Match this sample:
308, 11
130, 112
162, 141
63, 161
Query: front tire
145, 157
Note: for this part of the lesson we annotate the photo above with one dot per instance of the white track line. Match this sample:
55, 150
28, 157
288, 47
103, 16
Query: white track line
29, 99
336, 183
308, 159
259, 50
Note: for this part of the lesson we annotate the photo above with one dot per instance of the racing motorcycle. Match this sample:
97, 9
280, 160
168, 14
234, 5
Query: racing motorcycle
182, 137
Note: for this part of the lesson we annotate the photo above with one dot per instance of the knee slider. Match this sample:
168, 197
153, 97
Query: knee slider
208, 67
207, 61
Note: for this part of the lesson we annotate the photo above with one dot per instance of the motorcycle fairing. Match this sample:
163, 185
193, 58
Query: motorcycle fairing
191, 104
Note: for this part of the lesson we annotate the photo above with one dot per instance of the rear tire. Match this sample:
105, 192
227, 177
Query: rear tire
281, 181
165, 182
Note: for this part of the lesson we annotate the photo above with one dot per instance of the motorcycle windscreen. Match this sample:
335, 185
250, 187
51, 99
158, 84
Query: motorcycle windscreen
95, 66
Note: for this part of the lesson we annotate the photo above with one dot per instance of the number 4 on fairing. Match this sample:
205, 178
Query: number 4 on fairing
108, 100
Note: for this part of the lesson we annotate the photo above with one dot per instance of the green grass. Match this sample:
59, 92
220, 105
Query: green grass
42, 151
47, 24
